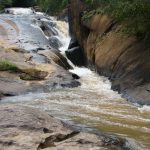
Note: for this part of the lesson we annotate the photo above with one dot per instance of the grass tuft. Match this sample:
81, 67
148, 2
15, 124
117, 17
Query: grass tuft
5, 65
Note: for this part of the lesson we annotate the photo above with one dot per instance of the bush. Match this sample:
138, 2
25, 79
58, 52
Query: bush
49, 6
133, 13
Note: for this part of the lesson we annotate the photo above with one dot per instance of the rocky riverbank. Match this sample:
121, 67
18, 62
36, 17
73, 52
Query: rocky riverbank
122, 58
28, 128
29, 76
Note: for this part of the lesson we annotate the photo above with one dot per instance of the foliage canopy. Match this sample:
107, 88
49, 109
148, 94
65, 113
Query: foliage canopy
135, 14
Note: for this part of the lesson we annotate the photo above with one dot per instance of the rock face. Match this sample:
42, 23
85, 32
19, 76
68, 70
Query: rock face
25, 128
75, 55
54, 55
32, 76
122, 58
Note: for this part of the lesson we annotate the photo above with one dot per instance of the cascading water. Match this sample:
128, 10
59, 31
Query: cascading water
93, 105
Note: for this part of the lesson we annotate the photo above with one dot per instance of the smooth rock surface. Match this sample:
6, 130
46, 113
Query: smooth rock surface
33, 76
25, 128
57, 57
124, 59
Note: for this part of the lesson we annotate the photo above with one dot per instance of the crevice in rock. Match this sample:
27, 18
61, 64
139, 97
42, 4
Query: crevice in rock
50, 141
148, 90
7, 143
45, 130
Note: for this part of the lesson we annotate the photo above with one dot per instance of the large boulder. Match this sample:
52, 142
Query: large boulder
23, 128
33, 74
57, 57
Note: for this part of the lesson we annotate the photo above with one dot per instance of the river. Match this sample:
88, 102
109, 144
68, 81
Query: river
92, 106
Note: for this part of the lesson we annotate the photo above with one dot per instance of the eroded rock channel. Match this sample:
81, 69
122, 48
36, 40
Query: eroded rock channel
42, 83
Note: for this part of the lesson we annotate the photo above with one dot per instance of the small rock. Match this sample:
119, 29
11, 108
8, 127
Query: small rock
75, 76
75, 55
19, 50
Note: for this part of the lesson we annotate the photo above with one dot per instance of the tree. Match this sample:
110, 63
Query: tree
52, 6
5, 3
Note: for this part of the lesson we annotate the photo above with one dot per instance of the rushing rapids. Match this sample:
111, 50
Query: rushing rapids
92, 106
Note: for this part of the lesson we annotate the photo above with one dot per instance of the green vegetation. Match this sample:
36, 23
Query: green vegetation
16, 3
52, 6
5, 65
48, 6
5, 3
133, 13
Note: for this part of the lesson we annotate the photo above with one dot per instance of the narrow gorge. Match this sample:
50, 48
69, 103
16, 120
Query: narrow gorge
122, 58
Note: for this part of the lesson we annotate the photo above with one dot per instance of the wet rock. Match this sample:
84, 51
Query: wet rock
63, 79
75, 55
24, 128
75, 76
10, 85
29, 77
33, 74
19, 50
57, 57
140, 94
55, 42
47, 28
73, 43
8, 94
70, 84
3, 94
40, 49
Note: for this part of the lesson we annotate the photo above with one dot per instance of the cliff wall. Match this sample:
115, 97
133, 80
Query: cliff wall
122, 58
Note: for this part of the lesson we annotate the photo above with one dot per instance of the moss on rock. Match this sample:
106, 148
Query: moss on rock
33, 74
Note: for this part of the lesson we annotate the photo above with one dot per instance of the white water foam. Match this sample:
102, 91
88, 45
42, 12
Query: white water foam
93, 82
19, 11
144, 109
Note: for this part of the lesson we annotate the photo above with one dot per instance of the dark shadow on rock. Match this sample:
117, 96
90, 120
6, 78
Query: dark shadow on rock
75, 76
75, 55
73, 43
